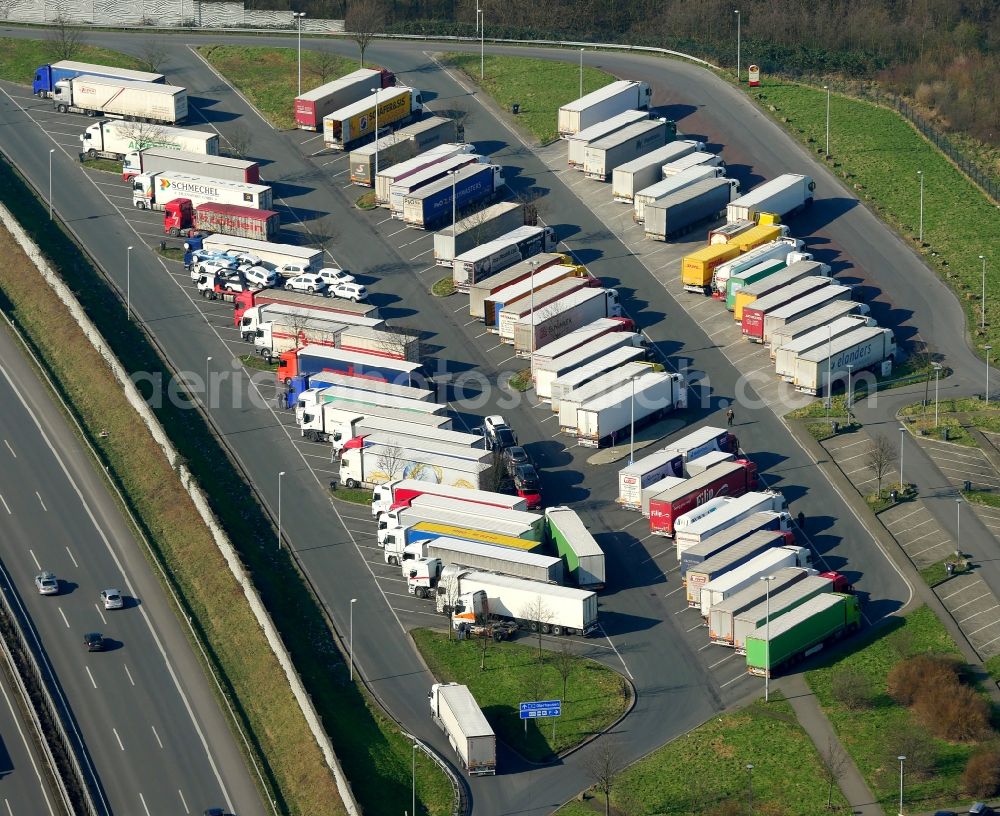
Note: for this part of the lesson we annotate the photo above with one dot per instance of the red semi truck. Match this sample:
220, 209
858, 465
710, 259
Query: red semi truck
246, 300
397, 494
725, 479
180, 215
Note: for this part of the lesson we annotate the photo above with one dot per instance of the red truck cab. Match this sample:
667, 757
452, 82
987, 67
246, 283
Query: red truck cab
840, 583
178, 215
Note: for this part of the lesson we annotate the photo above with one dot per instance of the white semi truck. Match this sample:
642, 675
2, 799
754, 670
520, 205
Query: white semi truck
455, 711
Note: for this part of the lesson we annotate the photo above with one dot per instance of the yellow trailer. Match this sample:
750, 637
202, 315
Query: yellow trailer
697, 268
761, 234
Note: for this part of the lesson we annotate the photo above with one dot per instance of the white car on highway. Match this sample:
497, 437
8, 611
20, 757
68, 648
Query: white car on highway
112, 598
46, 583
349, 291
306, 283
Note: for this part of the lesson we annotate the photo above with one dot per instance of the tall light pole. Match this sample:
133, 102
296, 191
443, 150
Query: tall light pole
958, 524
208, 380
531, 320
581, 79
988, 347
750, 771
631, 432
901, 759
413, 772
920, 232
298, 15
827, 89
482, 43
829, 373
902, 436
850, 392
454, 200
937, 372
767, 635
53, 150
983, 259
353, 601
375, 92
280, 474
128, 283
478, 12
738, 44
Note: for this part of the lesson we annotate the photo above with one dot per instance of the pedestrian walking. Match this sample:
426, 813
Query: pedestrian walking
801, 520
730, 417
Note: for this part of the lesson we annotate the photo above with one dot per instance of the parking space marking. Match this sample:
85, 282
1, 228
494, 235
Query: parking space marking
981, 628
961, 589
977, 614
977, 598
901, 518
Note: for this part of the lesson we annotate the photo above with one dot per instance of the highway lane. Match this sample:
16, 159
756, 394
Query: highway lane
153, 730
24, 781
652, 642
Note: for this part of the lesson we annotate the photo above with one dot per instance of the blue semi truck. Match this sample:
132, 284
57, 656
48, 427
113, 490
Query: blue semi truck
430, 206
46, 76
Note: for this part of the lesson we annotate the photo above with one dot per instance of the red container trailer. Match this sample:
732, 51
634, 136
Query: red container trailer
226, 219
724, 479
755, 312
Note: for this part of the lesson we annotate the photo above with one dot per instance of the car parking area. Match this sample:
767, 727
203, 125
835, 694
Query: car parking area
975, 609
850, 452
917, 532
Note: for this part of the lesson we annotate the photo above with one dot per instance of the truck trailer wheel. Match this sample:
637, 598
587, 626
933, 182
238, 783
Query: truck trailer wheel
557, 630
546, 629
140, 205
174, 232
62, 108
353, 485
497, 637
393, 561
91, 154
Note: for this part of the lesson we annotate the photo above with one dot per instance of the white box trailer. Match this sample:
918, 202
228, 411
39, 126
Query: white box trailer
602, 104
694, 527
570, 403
288, 328
360, 395
699, 158
782, 196
402, 491
405, 143
721, 542
552, 322
337, 421
367, 466
399, 344
387, 176
397, 105
316, 394
517, 245
779, 249
481, 290
577, 143
152, 191
861, 349
804, 305
449, 510
114, 138
572, 540
724, 560
661, 189
747, 621
310, 107
643, 473
383, 431
409, 184
794, 329
641, 402
638, 174
509, 295
721, 617
778, 281
600, 158
677, 213
568, 384
725, 586
574, 340
571, 611
156, 159
755, 312
253, 319
542, 298
455, 711
122, 99
279, 257
477, 555
696, 467
729, 232
476, 229
599, 347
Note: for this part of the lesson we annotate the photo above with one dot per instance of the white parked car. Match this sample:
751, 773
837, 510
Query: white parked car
215, 266
207, 284
349, 291
259, 277
241, 257
306, 283
333, 276
293, 269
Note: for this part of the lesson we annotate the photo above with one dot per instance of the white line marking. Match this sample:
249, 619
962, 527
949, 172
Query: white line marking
33, 558
961, 589
69, 552
63, 614
92, 681
612, 645
737, 677
143, 800
977, 614
158, 740
977, 598
46, 509
10, 449
183, 801
101, 613
115, 730
2, 499
16, 717
125, 666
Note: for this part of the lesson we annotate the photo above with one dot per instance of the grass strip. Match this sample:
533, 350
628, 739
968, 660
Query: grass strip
366, 201
937, 573
704, 771
878, 154
985, 497
375, 756
443, 287
521, 381
539, 86
104, 165
22, 57
878, 732
268, 77
594, 695
353, 495
170, 253
257, 362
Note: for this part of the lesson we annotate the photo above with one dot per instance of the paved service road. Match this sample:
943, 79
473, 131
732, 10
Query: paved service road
152, 727
649, 635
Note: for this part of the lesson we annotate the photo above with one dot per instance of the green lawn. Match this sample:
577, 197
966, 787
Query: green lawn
953, 406
872, 734
937, 573
982, 497
539, 86
881, 154
594, 697
708, 766
104, 165
22, 57
353, 495
268, 77
443, 287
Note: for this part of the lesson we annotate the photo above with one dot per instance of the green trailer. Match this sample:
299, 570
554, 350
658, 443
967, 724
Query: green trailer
572, 540
801, 632
752, 275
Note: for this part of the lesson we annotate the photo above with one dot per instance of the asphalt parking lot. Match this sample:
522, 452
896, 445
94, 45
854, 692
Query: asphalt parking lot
976, 610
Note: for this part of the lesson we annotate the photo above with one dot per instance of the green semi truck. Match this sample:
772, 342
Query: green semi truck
801, 632
573, 542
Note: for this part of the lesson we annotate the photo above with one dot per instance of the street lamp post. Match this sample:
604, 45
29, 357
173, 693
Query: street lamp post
901, 759
827, 89
850, 392
631, 432
413, 774
280, 474
353, 601
375, 92
531, 306
902, 436
298, 15
937, 372
581, 79
478, 12
829, 372
53, 150
128, 283
767, 634
208, 380
987, 347
482, 43
958, 524
920, 232
750, 772
738, 43
983, 305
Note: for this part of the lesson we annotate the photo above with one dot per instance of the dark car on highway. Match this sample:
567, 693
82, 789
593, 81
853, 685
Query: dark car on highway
94, 642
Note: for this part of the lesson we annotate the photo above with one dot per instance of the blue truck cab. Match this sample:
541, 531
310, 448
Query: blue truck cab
46, 76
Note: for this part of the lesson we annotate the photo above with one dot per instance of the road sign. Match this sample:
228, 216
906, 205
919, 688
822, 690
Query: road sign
541, 708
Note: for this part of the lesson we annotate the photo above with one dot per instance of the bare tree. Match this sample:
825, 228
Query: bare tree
879, 457
144, 135
323, 65
390, 461
394, 341
153, 55
448, 596
604, 765
565, 663
527, 198
538, 616
238, 140
363, 20
66, 39
835, 764
498, 473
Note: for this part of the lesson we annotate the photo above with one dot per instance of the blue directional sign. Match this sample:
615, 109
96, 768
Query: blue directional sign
542, 708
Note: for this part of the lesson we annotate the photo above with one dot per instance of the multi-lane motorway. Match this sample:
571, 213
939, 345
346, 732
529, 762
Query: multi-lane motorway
155, 736
647, 633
